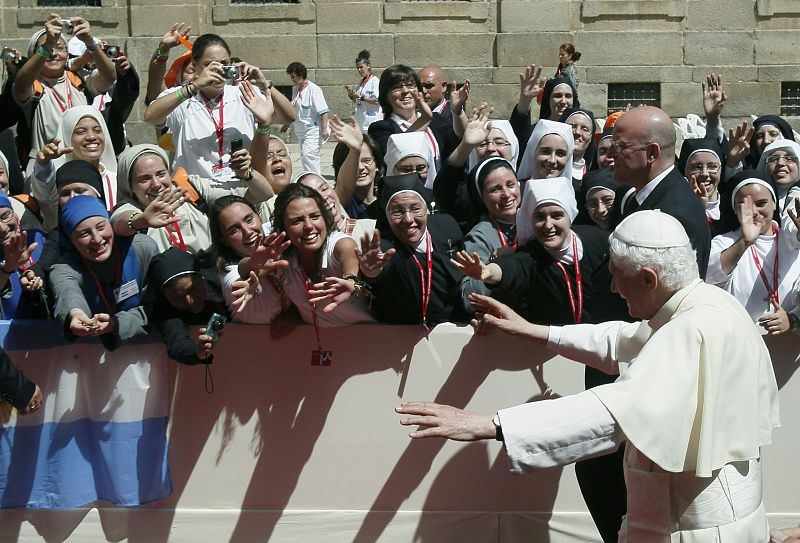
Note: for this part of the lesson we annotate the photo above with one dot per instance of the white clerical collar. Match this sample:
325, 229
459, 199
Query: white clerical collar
422, 246
566, 255
644, 192
401, 122
713, 209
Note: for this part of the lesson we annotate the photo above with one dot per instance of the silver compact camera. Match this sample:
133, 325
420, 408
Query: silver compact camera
8, 55
68, 27
230, 72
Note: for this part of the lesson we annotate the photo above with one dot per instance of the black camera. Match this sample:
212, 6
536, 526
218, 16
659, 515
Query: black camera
215, 325
68, 27
230, 72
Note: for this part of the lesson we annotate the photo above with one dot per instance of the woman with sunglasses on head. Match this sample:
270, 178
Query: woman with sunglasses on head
405, 110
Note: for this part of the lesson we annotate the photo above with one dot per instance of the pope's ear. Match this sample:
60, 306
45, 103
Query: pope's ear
649, 277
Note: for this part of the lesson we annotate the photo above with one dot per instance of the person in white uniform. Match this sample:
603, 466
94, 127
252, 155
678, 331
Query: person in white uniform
311, 125
696, 399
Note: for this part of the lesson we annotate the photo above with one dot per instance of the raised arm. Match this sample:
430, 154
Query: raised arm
23, 84
158, 63
350, 134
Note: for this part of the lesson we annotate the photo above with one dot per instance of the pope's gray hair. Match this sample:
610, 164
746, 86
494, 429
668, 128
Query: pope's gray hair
675, 267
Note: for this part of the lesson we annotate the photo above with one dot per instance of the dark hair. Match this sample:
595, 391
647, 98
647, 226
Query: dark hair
341, 151
223, 254
391, 76
297, 68
297, 191
363, 56
203, 42
570, 50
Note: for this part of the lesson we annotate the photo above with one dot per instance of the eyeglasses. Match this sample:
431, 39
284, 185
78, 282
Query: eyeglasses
366, 161
7, 217
698, 168
788, 159
619, 147
422, 168
408, 86
497, 142
594, 203
280, 154
578, 128
398, 213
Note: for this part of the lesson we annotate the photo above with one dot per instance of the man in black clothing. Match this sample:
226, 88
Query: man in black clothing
16, 389
643, 149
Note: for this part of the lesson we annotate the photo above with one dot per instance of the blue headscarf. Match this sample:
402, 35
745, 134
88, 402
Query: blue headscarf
78, 209
4, 201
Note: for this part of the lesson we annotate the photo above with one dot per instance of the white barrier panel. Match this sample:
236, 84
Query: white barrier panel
283, 451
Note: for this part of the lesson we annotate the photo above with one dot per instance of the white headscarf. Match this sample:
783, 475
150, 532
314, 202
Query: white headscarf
543, 128
508, 132
779, 145
557, 191
409, 144
66, 127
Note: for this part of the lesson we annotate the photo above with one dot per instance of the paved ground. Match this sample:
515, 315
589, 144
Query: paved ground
326, 159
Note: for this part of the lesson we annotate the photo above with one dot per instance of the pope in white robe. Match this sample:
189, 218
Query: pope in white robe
695, 401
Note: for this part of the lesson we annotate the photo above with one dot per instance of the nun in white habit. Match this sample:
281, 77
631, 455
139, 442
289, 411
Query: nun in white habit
411, 152
546, 155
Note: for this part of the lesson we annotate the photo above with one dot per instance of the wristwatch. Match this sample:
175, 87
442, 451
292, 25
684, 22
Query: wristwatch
498, 430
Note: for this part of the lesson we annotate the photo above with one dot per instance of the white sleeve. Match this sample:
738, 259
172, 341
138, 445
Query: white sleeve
715, 275
557, 432
318, 101
596, 345
787, 224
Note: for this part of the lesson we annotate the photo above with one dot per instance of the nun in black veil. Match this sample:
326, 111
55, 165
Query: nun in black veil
702, 163
583, 127
767, 129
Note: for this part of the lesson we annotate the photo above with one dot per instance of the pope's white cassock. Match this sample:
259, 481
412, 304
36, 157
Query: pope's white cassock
695, 401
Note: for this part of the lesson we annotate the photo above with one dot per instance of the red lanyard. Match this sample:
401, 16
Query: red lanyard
69, 95
24, 268
503, 240
111, 306
110, 194
425, 286
771, 292
440, 107
313, 309
218, 128
576, 311
364, 81
176, 242
433, 142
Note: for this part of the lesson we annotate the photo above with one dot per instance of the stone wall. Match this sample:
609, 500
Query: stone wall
753, 43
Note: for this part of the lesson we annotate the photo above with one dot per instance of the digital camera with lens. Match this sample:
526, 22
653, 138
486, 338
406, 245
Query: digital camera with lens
230, 72
68, 27
112, 51
215, 325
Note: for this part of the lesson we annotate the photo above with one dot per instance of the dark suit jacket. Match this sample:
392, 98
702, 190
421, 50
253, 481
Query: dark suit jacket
674, 196
381, 130
15, 388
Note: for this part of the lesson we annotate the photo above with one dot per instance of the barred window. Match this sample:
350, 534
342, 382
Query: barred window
790, 98
68, 3
622, 94
264, 1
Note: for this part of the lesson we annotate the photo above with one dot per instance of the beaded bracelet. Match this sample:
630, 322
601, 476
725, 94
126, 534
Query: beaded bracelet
43, 52
262, 130
131, 219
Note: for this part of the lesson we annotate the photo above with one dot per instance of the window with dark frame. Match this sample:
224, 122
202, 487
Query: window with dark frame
622, 94
790, 98
68, 3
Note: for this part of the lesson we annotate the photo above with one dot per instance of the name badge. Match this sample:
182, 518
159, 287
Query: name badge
222, 172
131, 288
